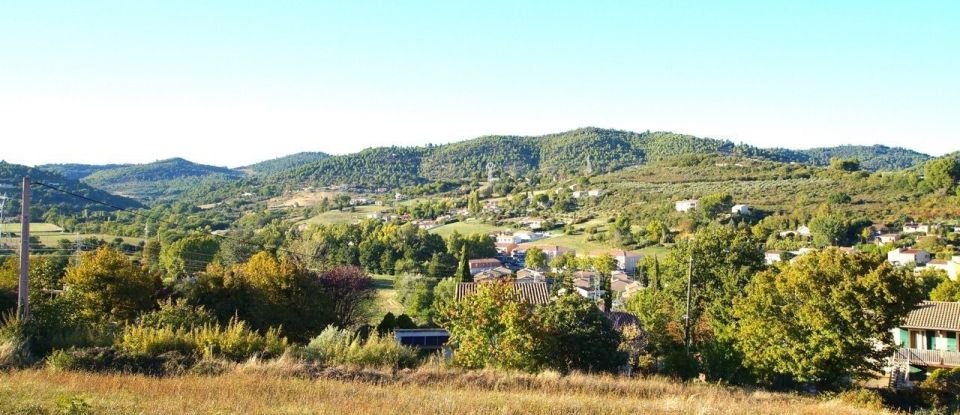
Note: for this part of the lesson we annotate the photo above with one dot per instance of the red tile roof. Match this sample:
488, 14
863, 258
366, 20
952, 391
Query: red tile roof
935, 315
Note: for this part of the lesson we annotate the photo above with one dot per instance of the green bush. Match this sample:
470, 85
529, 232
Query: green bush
942, 389
340, 347
178, 315
108, 359
862, 398
236, 341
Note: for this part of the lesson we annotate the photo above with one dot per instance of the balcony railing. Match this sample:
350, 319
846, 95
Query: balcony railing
928, 357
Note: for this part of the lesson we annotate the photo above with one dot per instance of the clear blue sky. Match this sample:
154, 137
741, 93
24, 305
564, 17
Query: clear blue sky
234, 82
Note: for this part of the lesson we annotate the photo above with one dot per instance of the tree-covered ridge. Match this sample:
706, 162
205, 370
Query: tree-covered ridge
373, 167
159, 181
874, 158
75, 171
285, 163
174, 168
43, 199
511, 154
600, 150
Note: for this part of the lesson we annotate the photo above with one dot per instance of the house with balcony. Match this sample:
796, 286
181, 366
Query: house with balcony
901, 256
926, 341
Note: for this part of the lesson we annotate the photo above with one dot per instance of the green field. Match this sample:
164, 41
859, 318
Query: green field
331, 217
386, 297
466, 228
34, 227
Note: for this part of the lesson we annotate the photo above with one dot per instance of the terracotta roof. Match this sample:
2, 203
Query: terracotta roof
935, 315
533, 292
911, 251
938, 262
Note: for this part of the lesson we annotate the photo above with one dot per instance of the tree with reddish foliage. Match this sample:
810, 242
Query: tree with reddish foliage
351, 292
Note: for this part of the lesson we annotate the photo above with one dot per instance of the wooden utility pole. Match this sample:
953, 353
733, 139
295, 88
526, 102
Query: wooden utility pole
23, 290
686, 323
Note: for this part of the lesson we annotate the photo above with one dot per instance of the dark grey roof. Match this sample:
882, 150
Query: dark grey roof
935, 315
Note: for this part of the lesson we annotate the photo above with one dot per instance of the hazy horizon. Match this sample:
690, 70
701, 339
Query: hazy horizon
231, 84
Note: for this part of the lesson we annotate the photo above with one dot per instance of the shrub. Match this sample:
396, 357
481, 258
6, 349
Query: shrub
340, 347
942, 388
178, 315
108, 359
236, 341
863, 398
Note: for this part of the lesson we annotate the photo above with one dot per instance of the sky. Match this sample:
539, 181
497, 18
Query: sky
231, 83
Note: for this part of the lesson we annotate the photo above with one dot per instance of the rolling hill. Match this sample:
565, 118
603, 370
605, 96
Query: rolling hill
571, 152
44, 199
75, 171
284, 163
162, 180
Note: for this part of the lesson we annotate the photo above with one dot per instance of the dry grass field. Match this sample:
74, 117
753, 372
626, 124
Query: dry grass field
266, 388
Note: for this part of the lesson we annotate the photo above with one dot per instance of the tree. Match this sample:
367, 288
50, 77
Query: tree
441, 265
843, 164
535, 259
493, 328
946, 291
824, 317
578, 336
713, 205
352, 293
238, 247
942, 173
463, 270
657, 232
189, 255
108, 285
828, 229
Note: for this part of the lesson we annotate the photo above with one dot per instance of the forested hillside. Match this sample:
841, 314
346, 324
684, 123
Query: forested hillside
76, 171
161, 180
44, 199
571, 152
284, 163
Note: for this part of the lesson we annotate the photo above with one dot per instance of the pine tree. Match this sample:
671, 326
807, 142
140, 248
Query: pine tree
463, 271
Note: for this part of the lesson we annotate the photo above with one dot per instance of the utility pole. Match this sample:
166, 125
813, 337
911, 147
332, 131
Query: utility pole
686, 323
3, 203
23, 294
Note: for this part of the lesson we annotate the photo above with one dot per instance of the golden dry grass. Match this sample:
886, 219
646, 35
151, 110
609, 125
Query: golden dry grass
259, 388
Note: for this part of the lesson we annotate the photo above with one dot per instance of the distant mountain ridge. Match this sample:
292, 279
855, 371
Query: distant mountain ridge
44, 199
599, 150
566, 153
158, 181
284, 163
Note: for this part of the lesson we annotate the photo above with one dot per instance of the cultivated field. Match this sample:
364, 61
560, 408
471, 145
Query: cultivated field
335, 216
467, 228
260, 389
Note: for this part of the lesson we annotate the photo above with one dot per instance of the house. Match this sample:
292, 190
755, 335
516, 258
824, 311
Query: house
586, 279
427, 339
507, 237
804, 231
772, 257
485, 264
740, 210
902, 256
553, 251
878, 229
496, 274
527, 275
626, 261
590, 293
533, 293
686, 205
426, 224
623, 286
948, 266
398, 196
887, 238
927, 340
532, 223
507, 248
912, 227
